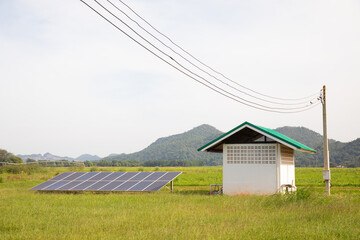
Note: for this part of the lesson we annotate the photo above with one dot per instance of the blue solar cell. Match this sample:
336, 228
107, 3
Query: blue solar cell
111, 186
97, 185
83, 185
154, 176
125, 186
70, 185
100, 176
140, 186
74, 176
61, 176
169, 176
156, 186
127, 176
114, 176
141, 176
108, 181
56, 185
43, 185
87, 176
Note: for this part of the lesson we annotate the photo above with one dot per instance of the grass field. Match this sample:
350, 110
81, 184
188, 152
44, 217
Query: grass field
188, 213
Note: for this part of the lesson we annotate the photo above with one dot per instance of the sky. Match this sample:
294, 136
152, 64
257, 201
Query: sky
71, 83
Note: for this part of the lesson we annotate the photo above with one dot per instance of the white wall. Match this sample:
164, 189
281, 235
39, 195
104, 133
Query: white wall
248, 178
287, 174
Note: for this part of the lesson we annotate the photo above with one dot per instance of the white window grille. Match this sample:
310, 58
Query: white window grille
251, 154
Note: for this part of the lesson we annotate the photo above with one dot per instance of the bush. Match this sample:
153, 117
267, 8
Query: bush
24, 168
94, 169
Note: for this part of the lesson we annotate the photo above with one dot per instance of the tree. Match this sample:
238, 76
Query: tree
5, 156
29, 160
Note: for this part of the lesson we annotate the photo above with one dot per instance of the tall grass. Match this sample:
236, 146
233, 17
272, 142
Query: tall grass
188, 213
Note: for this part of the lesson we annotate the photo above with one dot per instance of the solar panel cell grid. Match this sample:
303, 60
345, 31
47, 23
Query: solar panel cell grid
127, 176
100, 176
169, 176
154, 176
141, 176
61, 176
70, 185
74, 176
87, 176
97, 185
114, 176
125, 186
43, 185
140, 186
56, 185
108, 181
156, 186
111, 186
83, 186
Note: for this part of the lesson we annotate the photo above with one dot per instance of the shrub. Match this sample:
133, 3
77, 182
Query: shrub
24, 168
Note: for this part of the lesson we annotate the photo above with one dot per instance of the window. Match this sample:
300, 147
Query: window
251, 154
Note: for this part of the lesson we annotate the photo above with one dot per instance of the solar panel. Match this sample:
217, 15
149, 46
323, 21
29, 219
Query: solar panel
108, 181
83, 186
110, 186
155, 186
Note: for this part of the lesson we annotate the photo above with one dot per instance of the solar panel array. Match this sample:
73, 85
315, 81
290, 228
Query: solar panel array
108, 181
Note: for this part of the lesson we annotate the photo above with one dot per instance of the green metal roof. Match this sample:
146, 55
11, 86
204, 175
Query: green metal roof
274, 134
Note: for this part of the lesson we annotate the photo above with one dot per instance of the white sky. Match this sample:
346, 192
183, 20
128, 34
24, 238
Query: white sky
70, 83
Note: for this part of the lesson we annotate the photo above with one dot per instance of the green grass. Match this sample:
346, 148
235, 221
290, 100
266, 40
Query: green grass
188, 213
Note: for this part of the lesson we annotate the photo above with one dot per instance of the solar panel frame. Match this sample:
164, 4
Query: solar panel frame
108, 181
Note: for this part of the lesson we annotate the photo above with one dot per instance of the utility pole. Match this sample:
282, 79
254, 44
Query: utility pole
326, 172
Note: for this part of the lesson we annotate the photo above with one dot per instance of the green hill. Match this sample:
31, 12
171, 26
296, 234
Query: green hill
346, 154
178, 147
184, 147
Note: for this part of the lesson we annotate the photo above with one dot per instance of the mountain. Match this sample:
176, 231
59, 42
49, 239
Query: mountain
178, 147
46, 156
87, 157
346, 154
184, 147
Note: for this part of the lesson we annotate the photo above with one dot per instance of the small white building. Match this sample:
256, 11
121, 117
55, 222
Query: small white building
256, 160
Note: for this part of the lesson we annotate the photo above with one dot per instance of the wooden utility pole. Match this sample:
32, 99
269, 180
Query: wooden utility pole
326, 172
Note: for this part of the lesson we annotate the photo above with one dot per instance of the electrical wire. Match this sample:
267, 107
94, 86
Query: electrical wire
189, 54
227, 92
206, 72
305, 108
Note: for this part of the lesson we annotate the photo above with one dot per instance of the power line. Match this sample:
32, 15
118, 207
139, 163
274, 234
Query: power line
305, 108
206, 72
189, 54
221, 89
